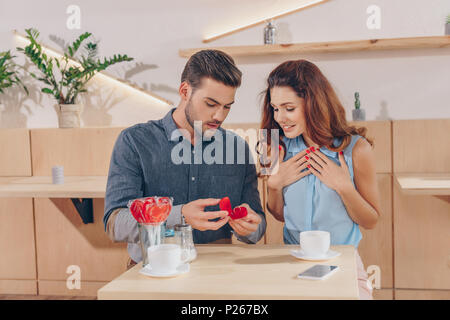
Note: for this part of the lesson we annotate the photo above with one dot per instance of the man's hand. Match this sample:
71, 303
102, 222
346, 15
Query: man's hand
195, 215
248, 224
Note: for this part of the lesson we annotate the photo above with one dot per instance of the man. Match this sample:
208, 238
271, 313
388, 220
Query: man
146, 162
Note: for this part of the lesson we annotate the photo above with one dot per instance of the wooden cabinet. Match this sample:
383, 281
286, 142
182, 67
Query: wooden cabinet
375, 247
15, 157
421, 146
421, 222
41, 237
17, 247
82, 151
383, 294
63, 239
422, 246
422, 294
17, 237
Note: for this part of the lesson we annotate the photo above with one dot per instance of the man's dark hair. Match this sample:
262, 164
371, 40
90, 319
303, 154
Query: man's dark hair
213, 64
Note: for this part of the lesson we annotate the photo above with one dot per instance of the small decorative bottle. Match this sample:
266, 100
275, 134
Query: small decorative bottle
270, 33
358, 113
447, 26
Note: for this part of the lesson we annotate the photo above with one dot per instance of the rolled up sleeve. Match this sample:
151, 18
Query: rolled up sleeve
125, 182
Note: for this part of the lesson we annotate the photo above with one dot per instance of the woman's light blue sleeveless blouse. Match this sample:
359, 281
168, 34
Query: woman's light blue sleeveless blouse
310, 205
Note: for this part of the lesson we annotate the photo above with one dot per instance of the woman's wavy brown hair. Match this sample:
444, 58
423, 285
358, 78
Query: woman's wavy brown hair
324, 113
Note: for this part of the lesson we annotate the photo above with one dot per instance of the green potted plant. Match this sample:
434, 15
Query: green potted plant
8, 74
447, 26
358, 114
66, 77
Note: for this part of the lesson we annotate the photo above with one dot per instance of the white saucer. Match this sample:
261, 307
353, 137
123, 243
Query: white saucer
147, 271
299, 254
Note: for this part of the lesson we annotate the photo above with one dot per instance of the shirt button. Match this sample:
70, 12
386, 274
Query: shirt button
193, 178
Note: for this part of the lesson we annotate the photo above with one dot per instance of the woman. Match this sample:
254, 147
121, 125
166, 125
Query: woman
326, 172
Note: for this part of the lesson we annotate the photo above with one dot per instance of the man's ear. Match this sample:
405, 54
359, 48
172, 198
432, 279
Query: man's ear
185, 91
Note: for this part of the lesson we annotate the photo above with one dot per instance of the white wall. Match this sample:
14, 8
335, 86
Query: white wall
403, 84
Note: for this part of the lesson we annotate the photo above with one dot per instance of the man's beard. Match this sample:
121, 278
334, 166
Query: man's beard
188, 111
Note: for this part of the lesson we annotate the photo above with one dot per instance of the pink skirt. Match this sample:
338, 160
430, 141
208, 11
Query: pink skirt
365, 289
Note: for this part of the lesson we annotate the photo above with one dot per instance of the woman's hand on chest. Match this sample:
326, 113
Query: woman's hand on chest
334, 176
287, 172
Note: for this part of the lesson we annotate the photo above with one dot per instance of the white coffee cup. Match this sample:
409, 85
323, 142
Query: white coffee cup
315, 243
164, 258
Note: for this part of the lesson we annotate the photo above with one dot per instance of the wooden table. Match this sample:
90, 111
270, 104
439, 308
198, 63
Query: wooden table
74, 187
424, 183
241, 272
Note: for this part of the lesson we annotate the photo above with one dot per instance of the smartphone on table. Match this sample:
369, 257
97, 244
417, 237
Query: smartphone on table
318, 272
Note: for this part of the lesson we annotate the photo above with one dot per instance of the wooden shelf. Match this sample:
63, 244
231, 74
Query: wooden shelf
330, 47
424, 183
42, 187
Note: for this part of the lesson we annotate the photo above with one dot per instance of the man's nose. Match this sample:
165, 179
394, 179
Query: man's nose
220, 114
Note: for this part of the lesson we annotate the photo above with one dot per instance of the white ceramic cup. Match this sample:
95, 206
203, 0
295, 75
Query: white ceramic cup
164, 258
315, 243
58, 175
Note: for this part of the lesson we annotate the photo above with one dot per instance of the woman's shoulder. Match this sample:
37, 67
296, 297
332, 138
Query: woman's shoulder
362, 154
356, 141
360, 144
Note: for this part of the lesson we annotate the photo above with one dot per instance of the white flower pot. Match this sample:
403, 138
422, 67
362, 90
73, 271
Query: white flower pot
69, 115
447, 29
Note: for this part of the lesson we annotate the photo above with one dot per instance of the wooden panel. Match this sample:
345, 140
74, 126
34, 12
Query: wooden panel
375, 247
82, 151
17, 239
87, 288
15, 159
18, 287
422, 294
380, 133
274, 232
421, 230
63, 240
383, 294
421, 146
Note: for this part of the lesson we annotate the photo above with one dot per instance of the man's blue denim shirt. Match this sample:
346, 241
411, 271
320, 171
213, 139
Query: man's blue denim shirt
141, 166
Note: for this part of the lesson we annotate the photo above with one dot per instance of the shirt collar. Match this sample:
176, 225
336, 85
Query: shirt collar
297, 144
169, 125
